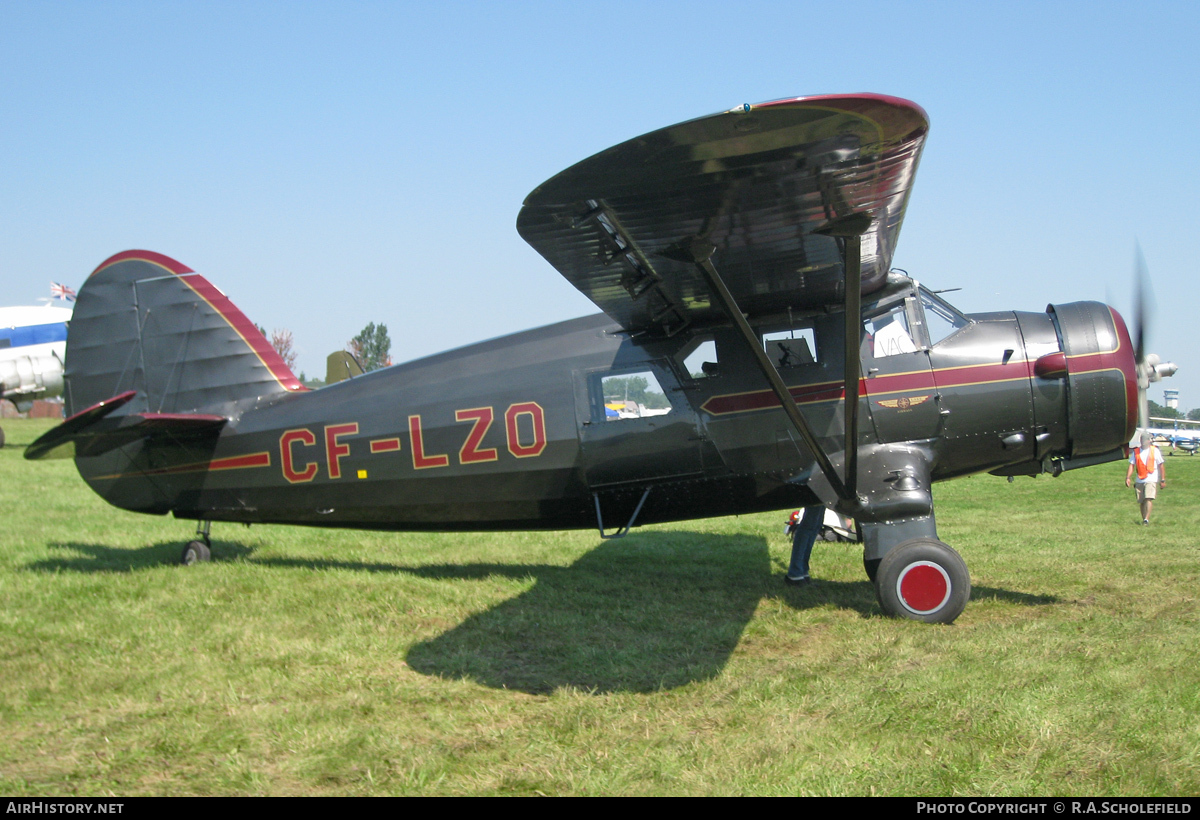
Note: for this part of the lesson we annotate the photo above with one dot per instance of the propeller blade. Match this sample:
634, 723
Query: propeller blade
1140, 285
1141, 319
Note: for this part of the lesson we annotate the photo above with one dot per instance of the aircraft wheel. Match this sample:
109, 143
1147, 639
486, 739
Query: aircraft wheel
195, 552
923, 580
1, 437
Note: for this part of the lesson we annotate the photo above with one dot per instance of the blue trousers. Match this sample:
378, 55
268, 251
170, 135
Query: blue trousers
803, 537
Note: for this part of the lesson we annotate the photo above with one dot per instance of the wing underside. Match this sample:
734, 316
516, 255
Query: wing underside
755, 183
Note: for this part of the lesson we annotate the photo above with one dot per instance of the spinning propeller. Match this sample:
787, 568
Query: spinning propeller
1150, 368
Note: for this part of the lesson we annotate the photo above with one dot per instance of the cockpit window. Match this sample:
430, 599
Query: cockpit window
941, 318
887, 334
791, 348
701, 362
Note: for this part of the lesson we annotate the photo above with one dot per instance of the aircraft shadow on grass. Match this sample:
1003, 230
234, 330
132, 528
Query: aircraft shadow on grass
653, 611
101, 558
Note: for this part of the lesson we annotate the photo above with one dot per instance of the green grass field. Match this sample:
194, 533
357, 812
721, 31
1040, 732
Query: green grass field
315, 662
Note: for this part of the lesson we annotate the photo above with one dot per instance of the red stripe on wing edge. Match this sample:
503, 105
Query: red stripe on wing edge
116, 401
852, 103
162, 260
863, 96
219, 302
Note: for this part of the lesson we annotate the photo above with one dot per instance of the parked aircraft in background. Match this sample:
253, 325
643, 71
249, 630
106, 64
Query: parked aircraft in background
32, 350
1185, 438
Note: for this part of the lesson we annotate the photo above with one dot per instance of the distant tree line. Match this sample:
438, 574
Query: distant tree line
1157, 409
372, 346
634, 388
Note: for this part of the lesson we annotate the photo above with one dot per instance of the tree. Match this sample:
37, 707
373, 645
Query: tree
1194, 414
634, 388
281, 340
372, 347
1157, 409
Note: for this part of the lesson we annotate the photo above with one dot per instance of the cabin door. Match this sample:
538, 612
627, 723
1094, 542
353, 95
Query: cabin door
635, 426
897, 374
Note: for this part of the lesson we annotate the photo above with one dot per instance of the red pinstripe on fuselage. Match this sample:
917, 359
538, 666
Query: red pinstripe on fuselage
1119, 359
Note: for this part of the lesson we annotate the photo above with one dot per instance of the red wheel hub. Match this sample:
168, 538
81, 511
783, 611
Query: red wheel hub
923, 587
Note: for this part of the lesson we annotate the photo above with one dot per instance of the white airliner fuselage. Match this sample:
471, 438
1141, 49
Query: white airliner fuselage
33, 343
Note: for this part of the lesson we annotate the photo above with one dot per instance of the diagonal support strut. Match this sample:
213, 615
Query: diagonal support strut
700, 253
849, 227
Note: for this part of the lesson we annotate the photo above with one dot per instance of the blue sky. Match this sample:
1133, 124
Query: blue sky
329, 165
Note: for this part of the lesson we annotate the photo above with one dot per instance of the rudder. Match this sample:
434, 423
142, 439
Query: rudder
147, 323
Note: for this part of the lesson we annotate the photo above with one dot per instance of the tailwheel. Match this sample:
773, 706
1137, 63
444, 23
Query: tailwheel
201, 548
195, 552
923, 580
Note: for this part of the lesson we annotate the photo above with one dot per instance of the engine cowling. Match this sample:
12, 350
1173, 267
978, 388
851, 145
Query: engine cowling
1101, 376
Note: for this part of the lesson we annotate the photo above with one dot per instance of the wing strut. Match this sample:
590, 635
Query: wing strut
848, 227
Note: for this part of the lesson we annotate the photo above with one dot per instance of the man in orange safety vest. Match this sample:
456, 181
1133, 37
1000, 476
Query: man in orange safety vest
1151, 469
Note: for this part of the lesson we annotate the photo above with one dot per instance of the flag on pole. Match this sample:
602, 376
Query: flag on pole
62, 292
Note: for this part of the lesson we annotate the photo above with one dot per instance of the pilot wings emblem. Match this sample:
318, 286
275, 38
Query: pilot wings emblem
903, 403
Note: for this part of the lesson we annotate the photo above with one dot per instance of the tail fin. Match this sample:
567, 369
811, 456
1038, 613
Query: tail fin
341, 365
143, 322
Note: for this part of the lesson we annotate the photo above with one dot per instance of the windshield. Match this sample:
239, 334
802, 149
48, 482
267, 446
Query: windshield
941, 318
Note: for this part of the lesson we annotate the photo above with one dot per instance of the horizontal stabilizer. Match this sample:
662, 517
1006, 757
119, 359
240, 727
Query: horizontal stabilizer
95, 430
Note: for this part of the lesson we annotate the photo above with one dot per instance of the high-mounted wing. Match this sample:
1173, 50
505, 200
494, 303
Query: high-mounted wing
755, 183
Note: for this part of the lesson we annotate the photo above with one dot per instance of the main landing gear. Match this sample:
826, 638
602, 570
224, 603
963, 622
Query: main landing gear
922, 579
199, 549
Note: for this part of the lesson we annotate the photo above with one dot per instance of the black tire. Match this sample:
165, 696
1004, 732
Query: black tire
194, 553
1, 437
923, 580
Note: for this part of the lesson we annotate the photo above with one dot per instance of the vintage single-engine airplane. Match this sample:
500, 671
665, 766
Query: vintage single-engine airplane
755, 352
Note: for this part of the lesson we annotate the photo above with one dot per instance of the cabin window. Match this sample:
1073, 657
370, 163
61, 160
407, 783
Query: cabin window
701, 360
633, 396
791, 348
887, 334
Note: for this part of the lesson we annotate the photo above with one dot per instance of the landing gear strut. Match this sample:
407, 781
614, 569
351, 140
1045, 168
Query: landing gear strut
923, 580
199, 549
